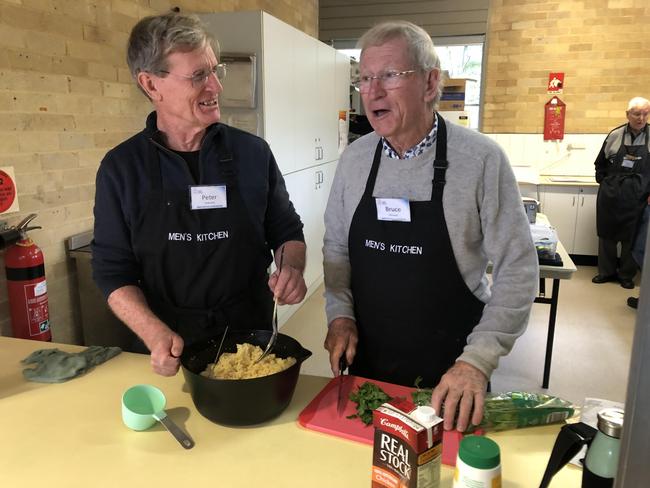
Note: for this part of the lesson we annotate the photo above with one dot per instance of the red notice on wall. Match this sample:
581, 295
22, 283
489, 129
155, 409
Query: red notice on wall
7, 191
555, 83
554, 114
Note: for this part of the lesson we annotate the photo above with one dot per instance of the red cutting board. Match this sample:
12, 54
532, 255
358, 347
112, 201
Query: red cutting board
321, 415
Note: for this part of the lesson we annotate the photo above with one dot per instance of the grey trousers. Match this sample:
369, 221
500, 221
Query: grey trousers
607, 261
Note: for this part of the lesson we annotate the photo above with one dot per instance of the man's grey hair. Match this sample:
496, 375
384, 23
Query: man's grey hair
154, 38
420, 47
638, 102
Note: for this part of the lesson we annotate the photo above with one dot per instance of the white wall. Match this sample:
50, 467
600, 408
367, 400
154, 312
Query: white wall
531, 156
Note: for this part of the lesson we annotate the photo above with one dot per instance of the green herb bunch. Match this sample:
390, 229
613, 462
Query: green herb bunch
368, 397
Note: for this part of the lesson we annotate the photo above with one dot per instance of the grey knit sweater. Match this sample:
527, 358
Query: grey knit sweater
486, 222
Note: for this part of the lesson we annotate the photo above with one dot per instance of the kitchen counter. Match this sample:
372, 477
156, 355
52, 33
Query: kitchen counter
567, 180
71, 434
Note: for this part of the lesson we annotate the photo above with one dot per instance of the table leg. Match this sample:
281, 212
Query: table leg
551, 332
551, 324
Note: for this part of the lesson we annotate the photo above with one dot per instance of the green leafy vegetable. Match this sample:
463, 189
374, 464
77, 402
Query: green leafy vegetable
421, 396
367, 397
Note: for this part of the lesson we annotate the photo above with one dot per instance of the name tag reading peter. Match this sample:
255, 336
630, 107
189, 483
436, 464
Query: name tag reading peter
208, 196
396, 209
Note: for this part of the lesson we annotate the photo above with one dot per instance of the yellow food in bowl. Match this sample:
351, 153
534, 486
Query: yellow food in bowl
241, 364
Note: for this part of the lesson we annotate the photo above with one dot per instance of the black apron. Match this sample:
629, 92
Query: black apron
217, 273
622, 193
413, 311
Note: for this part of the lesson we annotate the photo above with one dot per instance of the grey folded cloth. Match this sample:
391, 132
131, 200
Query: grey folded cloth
56, 366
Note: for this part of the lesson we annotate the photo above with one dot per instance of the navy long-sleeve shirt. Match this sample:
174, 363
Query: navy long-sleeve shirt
123, 185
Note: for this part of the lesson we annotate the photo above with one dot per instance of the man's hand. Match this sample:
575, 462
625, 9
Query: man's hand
288, 285
286, 282
129, 304
342, 338
462, 387
166, 349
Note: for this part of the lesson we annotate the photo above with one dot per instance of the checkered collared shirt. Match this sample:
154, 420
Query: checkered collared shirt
416, 150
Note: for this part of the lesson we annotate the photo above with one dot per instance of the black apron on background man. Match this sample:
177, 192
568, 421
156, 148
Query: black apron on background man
216, 274
622, 193
413, 311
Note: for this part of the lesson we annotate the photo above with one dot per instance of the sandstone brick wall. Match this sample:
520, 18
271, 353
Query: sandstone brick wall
602, 46
66, 97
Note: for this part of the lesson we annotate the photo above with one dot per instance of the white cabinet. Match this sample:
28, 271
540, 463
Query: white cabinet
278, 89
306, 105
572, 211
301, 84
309, 190
298, 85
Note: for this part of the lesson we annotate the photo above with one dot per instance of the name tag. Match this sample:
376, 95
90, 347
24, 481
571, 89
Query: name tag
208, 196
396, 209
629, 160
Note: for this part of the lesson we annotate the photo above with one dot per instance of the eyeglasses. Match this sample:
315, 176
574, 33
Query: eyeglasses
389, 80
200, 78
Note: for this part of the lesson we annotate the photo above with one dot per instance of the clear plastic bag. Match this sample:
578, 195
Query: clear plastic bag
516, 409
545, 239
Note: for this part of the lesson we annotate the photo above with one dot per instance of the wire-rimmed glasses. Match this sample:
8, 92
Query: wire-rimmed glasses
389, 80
200, 78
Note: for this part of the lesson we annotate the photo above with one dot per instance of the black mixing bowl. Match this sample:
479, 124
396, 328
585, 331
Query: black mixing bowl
248, 401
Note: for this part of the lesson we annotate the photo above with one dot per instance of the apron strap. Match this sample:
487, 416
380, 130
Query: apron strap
153, 166
227, 166
440, 164
374, 169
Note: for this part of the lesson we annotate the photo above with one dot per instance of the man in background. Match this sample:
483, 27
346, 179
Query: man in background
623, 171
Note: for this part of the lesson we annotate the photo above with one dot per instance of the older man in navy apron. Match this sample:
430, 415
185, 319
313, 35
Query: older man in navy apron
623, 171
188, 211
417, 210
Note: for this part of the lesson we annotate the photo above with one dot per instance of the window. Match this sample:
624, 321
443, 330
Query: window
461, 57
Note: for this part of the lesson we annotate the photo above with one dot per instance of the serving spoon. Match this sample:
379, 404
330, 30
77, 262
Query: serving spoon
274, 319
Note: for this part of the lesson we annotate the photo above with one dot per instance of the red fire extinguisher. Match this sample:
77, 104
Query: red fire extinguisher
26, 285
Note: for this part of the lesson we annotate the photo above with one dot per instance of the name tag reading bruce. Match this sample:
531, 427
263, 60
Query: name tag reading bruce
208, 196
397, 209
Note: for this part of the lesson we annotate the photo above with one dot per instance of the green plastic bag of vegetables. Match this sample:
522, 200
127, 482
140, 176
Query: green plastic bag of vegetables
515, 409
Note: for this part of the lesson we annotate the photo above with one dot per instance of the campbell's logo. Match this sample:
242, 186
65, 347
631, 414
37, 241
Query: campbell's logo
396, 427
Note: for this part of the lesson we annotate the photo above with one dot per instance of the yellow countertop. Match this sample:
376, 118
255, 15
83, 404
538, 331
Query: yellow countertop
71, 435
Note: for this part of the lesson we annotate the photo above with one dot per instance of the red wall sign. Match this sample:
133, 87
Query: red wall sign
554, 113
7, 191
555, 82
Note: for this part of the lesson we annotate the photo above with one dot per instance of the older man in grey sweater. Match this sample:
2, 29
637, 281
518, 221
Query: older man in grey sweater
417, 210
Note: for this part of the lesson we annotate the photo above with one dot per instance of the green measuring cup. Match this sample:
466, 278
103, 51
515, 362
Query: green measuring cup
143, 406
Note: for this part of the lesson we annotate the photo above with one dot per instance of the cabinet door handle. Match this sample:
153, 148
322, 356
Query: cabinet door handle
582, 202
573, 202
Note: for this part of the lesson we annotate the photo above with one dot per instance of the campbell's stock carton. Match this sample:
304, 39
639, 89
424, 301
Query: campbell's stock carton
407, 446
